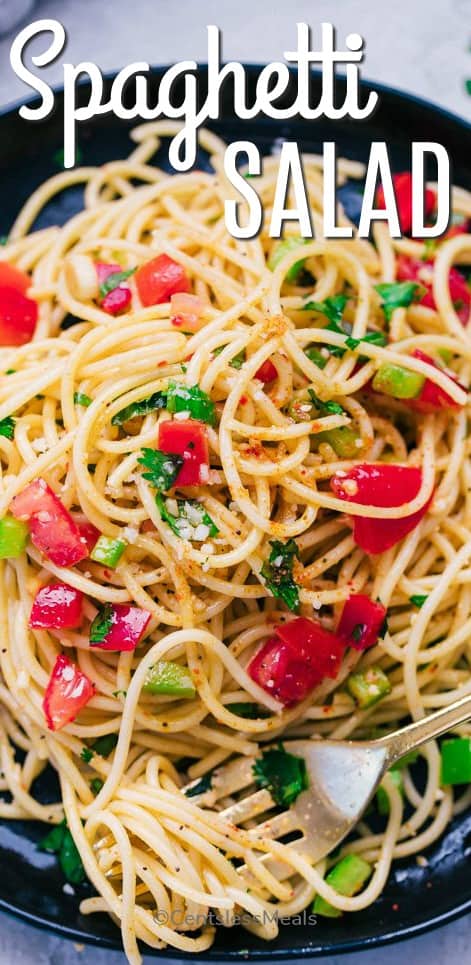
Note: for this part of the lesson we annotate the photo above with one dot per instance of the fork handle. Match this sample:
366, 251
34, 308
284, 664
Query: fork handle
408, 738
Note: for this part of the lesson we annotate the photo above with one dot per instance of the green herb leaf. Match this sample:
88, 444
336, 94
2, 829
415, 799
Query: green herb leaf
314, 353
104, 745
283, 774
114, 281
205, 784
397, 294
191, 399
236, 361
86, 754
418, 599
332, 308
374, 338
7, 427
191, 515
81, 399
163, 468
96, 785
248, 710
277, 572
325, 408
102, 623
60, 841
139, 409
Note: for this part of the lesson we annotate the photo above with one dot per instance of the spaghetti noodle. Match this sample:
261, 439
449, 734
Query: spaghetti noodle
299, 356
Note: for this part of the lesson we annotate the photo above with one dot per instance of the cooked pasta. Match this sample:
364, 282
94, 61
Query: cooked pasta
290, 380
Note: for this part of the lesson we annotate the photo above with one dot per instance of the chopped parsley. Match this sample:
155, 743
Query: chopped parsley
236, 361
114, 281
418, 599
162, 468
81, 399
204, 784
314, 353
138, 409
102, 623
374, 338
60, 841
191, 399
86, 754
102, 746
397, 294
96, 785
332, 308
325, 408
7, 427
248, 710
277, 572
283, 774
187, 518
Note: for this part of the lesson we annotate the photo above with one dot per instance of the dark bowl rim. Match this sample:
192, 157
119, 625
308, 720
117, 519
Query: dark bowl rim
403, 931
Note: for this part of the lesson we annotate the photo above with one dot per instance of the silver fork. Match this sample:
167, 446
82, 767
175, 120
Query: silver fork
343, 777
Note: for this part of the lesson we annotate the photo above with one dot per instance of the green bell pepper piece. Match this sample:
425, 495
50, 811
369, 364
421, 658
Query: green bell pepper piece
108, 551
369, 687
382, 798
456, 761
343, 441
347, 877
14, 535
166, 677
281, 250
397, 381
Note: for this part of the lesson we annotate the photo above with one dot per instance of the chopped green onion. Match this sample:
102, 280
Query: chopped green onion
344, 441
284, 775
108, 551
282, 249
7, 427
141, 408
14, 535
81, 399
382, 797
400, 383
369, 687
163, 468
277, 572
191, 399
347, 877
456, 761
167, 677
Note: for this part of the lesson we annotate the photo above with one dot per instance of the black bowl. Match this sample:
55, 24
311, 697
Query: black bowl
415, 898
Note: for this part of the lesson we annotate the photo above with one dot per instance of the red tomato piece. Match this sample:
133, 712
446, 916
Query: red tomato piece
289, 665
104, 270
267, 372
53, 530
18, 317
431, 396
187, 438
411, 269
88, 532
361, 621
402, 183
11, 277
57, 607
159, 279
128, 626
67, 692
117, 301
380, 485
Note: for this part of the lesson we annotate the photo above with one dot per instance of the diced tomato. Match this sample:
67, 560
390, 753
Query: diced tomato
380, 485
88, 531
456, 229
53, 530
18, 317
117, 301
411, 269
187, 438
57, 607
267, 372
403, 191
432, 397
11, 277
159, 279
361, 621
289, 665
67, 692
127, 628
187, 311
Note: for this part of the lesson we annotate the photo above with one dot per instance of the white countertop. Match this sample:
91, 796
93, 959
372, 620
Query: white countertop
420, 46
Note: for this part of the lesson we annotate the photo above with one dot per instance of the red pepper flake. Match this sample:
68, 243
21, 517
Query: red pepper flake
395, 907
243, 400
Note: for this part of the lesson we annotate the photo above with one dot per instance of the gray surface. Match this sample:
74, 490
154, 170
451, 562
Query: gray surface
417, 45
